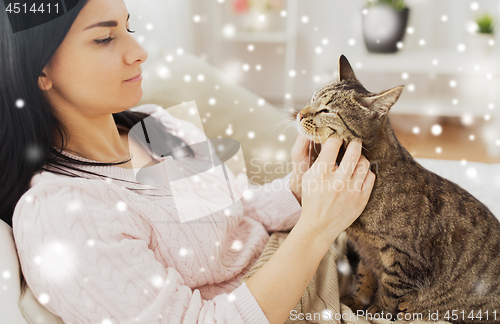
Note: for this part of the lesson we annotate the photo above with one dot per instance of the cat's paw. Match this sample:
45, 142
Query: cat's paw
353, 303
403, 304
373, 309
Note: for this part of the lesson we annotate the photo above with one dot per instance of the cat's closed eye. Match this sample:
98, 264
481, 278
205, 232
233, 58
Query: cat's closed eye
321, 111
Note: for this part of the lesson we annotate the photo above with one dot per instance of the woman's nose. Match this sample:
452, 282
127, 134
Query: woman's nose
136, 53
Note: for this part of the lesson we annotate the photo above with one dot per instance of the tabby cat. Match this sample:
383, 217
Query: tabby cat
424, 244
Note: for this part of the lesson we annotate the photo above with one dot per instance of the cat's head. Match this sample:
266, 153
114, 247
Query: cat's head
345, 109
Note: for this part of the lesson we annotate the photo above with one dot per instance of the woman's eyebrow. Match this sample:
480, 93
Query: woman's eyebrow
111, 23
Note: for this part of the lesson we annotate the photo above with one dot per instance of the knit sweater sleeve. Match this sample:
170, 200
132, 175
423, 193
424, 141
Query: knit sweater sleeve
87, 257
272, 204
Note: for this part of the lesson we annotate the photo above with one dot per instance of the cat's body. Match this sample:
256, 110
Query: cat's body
425, 244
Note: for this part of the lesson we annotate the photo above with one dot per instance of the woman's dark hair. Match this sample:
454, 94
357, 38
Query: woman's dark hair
27, 122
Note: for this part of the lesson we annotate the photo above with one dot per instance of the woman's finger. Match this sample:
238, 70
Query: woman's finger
361, 169
350, 159
328, 154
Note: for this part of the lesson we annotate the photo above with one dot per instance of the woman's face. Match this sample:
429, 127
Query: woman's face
88, 78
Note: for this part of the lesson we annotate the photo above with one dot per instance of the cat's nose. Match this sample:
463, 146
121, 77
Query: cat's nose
300, 117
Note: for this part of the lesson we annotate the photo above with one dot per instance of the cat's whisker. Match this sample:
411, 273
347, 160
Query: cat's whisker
286, 128
278, 124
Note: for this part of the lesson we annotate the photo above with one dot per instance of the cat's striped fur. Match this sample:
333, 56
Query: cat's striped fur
424, 243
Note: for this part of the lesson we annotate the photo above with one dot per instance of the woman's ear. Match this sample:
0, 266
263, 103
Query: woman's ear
44, 82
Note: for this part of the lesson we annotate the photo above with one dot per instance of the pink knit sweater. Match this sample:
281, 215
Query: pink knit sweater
96, 250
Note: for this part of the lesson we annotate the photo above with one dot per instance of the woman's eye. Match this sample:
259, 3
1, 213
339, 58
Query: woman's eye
109, 39
104, 41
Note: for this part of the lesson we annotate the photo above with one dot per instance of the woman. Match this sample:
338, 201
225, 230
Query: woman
94, 245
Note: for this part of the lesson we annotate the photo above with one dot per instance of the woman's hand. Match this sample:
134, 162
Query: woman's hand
304, 153
334, 196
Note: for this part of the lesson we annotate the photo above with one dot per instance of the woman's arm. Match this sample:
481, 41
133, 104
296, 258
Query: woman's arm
280, 283
87, 258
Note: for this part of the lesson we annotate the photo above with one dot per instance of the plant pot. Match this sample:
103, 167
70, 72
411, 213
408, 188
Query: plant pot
384, 27
480, 44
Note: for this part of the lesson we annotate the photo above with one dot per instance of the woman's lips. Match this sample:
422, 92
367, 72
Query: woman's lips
135, 79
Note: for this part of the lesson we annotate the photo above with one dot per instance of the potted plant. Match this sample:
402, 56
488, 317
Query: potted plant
482, 38
384, 25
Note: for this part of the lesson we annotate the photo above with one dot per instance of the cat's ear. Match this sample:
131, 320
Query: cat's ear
382, 102
345, 70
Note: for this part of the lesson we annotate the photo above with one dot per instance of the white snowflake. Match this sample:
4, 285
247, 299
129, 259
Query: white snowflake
229, 31
247, 195
43, 298
327, 315
436, 129
163, 72
121, 206
231, 297
471, 172
6, 274
73, 206
467, 119
237, 245
344, 267
19, 103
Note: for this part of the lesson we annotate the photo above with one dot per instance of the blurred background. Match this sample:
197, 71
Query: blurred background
445, 52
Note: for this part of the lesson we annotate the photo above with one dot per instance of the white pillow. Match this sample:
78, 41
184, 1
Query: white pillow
10, 285
18, 305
